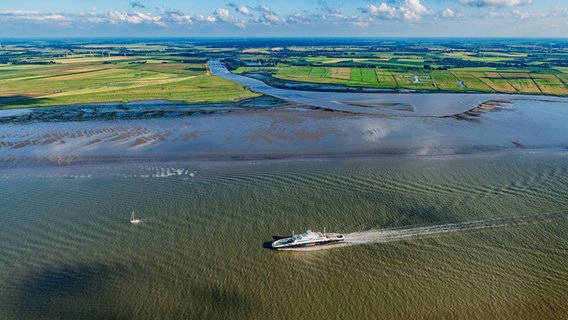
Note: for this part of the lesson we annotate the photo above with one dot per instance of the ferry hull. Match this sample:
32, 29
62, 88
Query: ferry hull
308, 239
306, 245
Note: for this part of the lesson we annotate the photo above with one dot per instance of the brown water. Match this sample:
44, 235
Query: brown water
476, 236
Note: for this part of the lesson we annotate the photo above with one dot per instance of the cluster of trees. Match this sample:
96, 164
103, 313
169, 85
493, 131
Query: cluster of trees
32, 62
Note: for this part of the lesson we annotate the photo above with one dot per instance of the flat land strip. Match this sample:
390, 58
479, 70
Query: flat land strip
454, 80
62, 73
85, 79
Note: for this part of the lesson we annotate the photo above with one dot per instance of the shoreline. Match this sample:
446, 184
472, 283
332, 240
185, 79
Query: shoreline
110, 163
421, 104
294, 124
284, 133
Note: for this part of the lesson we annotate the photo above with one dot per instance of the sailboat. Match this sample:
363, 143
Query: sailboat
134, 220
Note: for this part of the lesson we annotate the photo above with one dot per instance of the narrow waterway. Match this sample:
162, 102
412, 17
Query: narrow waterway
392, 104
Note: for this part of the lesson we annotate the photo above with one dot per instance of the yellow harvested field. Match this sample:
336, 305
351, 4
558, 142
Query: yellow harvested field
336, 60
256, 50
472, 80
154, 80
386, 78
515, 75
509, 55
87, 73
550, 84
93, 59
526, 86
410, 60
340, 73
500, 85
492, 75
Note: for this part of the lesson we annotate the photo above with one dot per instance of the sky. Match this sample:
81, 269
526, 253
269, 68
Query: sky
289, 18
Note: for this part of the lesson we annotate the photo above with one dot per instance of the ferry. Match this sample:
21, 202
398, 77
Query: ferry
307, 239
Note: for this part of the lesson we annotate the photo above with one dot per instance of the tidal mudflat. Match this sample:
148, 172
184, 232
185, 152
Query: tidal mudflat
286, 131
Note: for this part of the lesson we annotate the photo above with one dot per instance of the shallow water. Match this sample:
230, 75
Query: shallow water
284, 133
477, 236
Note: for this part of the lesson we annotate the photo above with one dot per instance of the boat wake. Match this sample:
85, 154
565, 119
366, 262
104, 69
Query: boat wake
391, 235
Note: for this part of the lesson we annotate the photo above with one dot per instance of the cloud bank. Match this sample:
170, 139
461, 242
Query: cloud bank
322, 17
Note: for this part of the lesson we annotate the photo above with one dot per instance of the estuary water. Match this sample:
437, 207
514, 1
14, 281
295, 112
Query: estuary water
408, 104
469, 236
452, 211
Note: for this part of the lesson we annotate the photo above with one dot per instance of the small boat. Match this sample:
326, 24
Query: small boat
307, 239
133, 220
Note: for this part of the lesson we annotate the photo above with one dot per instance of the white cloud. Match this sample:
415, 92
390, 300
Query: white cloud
416, 7
360, 24
521, 15
560, 12
273, 18
31, 15
411, 10
177, 17
495, 3
449, 13
202, 18
264, 8
382, 11
53, 17
224, 15
116, 17
406, 15
298, 18
22, 16
18, 12
244, 10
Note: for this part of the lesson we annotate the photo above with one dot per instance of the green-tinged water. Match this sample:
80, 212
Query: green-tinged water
68, 251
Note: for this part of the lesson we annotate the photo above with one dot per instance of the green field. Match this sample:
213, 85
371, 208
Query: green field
94, 80
459, 79
499, 67
32, 75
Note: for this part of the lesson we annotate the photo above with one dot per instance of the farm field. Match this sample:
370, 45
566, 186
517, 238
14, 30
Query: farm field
454, 80
443, 80
501, 66
62, 73
83, 79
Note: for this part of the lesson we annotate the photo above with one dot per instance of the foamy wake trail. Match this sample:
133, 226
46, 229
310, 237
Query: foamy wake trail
390, 235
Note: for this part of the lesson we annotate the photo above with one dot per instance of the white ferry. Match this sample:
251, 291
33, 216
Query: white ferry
307, 239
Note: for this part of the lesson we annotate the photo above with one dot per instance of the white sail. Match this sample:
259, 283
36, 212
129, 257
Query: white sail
134, 220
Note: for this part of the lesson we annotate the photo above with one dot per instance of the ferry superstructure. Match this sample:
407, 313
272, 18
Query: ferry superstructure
307, 239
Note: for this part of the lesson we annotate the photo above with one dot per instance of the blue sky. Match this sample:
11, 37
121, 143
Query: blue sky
290, 18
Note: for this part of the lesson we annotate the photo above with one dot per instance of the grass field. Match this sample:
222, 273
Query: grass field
467, 67
32, 75
93, 80
459, 79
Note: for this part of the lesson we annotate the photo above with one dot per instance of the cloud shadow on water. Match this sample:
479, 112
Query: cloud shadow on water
104, 291
67, 292
411, 216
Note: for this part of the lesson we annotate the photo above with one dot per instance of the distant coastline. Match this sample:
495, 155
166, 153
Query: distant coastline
60, 72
